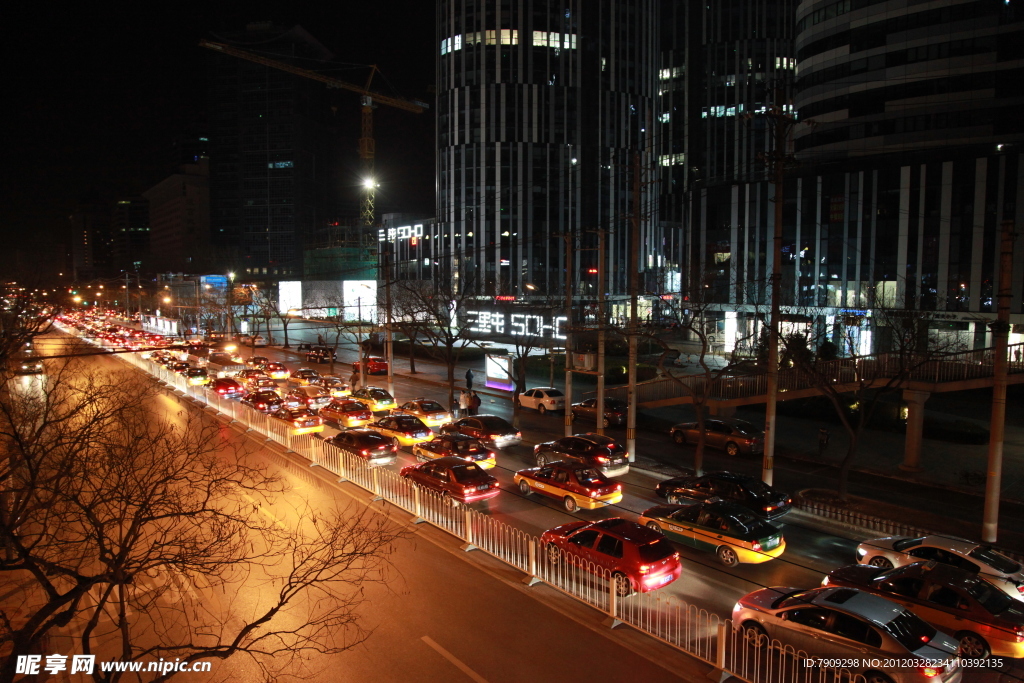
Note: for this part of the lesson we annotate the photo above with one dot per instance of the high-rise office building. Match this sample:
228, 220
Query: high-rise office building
129, 224
179, 211
274, 155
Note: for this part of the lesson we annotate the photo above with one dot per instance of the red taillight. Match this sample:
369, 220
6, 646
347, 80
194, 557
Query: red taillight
1020, 588
1019, 635
932, 671
365, 452
519, 435
644, 568
755, 546
600, 458
594, 493
261, 406
769, 508
618, 487
297, 423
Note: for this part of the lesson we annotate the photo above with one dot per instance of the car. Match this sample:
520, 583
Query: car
403, 430
592, 450
487, 428
263, 383
256, 361
454, 479
255, 341
265, 401
336, 385
893, 551
375, 365
731, 531
614, 411
374, 398
197, 376
300, 420
843, 623
224, 358
735, 437
179, 366
366, 443
637, 559
457, 445
313, 398
250, 374
575, 484
276, 370
28, 365
303, 376
428, 410
984, 619
542, 399
321, 354
750, 492
345, 412
226, 386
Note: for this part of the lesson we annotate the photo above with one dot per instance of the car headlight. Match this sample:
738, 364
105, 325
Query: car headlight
861, 552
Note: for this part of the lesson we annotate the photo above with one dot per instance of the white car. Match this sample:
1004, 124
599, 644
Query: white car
542, 399
896, 551
249, 340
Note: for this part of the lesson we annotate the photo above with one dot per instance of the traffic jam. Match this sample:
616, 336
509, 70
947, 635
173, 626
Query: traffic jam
935, 600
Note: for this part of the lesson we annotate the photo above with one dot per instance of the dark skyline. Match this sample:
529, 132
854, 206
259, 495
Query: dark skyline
97, 97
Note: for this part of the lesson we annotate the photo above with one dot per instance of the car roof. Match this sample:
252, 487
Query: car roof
874, 608
455, 437
630, 531
960, 545
730, 476
595, 438
450, 461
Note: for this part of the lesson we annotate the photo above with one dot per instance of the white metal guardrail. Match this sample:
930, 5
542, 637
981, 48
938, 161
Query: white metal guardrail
686, 627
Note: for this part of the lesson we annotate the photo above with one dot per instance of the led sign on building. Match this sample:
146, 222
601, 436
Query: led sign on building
406, 232
503, 323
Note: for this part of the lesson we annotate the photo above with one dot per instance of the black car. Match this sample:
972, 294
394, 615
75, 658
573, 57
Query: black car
366, 443
321, 354
225, 386
264, 401
594, 450
491, 428
614, 411
750, 492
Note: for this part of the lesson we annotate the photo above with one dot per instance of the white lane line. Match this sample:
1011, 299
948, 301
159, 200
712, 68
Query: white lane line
454, 660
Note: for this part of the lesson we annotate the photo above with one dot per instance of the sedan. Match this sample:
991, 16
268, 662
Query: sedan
453, 479
730, 531
487, 428
403, 430
849, 624
29, 366
313, 398
576, 485
893, 551
366, 443
542, 399
456, 445
336, 385
735, 437
986, 620
276, 370
225, 386
374, 398
303, 376
264, 401
345, 412
197, 376
429, 411
635, 557
592, 450
179, 366
256, 361
251, 373
300, 420
614, 411
750, 492
263, 383
375, 365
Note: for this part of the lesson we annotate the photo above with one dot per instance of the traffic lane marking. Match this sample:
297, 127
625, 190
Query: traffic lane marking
454, 660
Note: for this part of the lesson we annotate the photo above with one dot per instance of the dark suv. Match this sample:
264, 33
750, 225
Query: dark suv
750, 492
593, 450
321, 354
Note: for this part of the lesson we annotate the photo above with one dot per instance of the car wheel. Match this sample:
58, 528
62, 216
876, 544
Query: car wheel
876, 677
554, 554
542, 460
754, 634
524, 488
679, 437
973, 646
622, 585
880, 562
541, 409
732, 449
655, 526
728, 556
570, 504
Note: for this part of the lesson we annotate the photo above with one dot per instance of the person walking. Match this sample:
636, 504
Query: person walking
469, 380
474, 403
463, 403
353, 381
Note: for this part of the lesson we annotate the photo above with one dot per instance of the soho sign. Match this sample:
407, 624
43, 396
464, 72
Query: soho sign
516, 324
406, 232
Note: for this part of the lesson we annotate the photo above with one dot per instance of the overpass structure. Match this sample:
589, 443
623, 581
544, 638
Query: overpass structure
916, 376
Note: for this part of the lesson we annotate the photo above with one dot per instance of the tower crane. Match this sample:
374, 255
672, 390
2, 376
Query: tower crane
367, 101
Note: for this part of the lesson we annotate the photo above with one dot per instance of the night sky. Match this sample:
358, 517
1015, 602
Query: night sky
96, 96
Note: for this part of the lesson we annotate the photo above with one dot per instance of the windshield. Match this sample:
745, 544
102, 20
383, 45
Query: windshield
990, 597
407, 422
1000, 563
380, 394
431, 407
906, 543
656, 550
467, 472
494, 424
352, 407
590, 476
910, 631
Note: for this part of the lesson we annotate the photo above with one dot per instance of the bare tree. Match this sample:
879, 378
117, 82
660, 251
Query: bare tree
103, 499
23, 316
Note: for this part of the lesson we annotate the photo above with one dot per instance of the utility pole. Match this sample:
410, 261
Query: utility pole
568, 331
601, 318
1000, 367
127, 298
389, 355
634, 294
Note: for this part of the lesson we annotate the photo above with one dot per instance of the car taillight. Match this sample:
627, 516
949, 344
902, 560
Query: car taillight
494, 484
644, 568
1019, 634
1020, 588
261, 405
755, 546
297, 423
600, 458
365, 452
593, 493
519, 435
618, 487
931, 671
769, 508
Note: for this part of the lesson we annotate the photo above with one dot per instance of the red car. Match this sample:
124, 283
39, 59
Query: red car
636, 558
375, 365
453, 478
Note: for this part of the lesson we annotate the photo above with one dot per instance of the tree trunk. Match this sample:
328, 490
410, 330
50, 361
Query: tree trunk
284, 327
844, 467
412, 353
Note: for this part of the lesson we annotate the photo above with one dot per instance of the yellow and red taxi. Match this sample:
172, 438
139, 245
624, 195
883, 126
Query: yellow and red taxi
303, 376
428, 410
300, 420
197, 376
635, 557
250, 373
403, 430
374, 398
276, 370
576, 485
263, 383
456, 445
345, 412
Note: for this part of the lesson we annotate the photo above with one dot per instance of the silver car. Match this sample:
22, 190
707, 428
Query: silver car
895, 551
850, 626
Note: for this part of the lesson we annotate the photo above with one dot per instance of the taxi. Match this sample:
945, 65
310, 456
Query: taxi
577, 485
257, 361
197, 376
345, 412
263, 383
403, 430
301, 420
374, 398
276, 370
429, 411
732, 532
455, 445
303, 376
334, 384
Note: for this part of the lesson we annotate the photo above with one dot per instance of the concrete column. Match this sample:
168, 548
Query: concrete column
915, 428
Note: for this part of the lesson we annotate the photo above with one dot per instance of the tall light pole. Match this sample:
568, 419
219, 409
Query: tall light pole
229, 301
